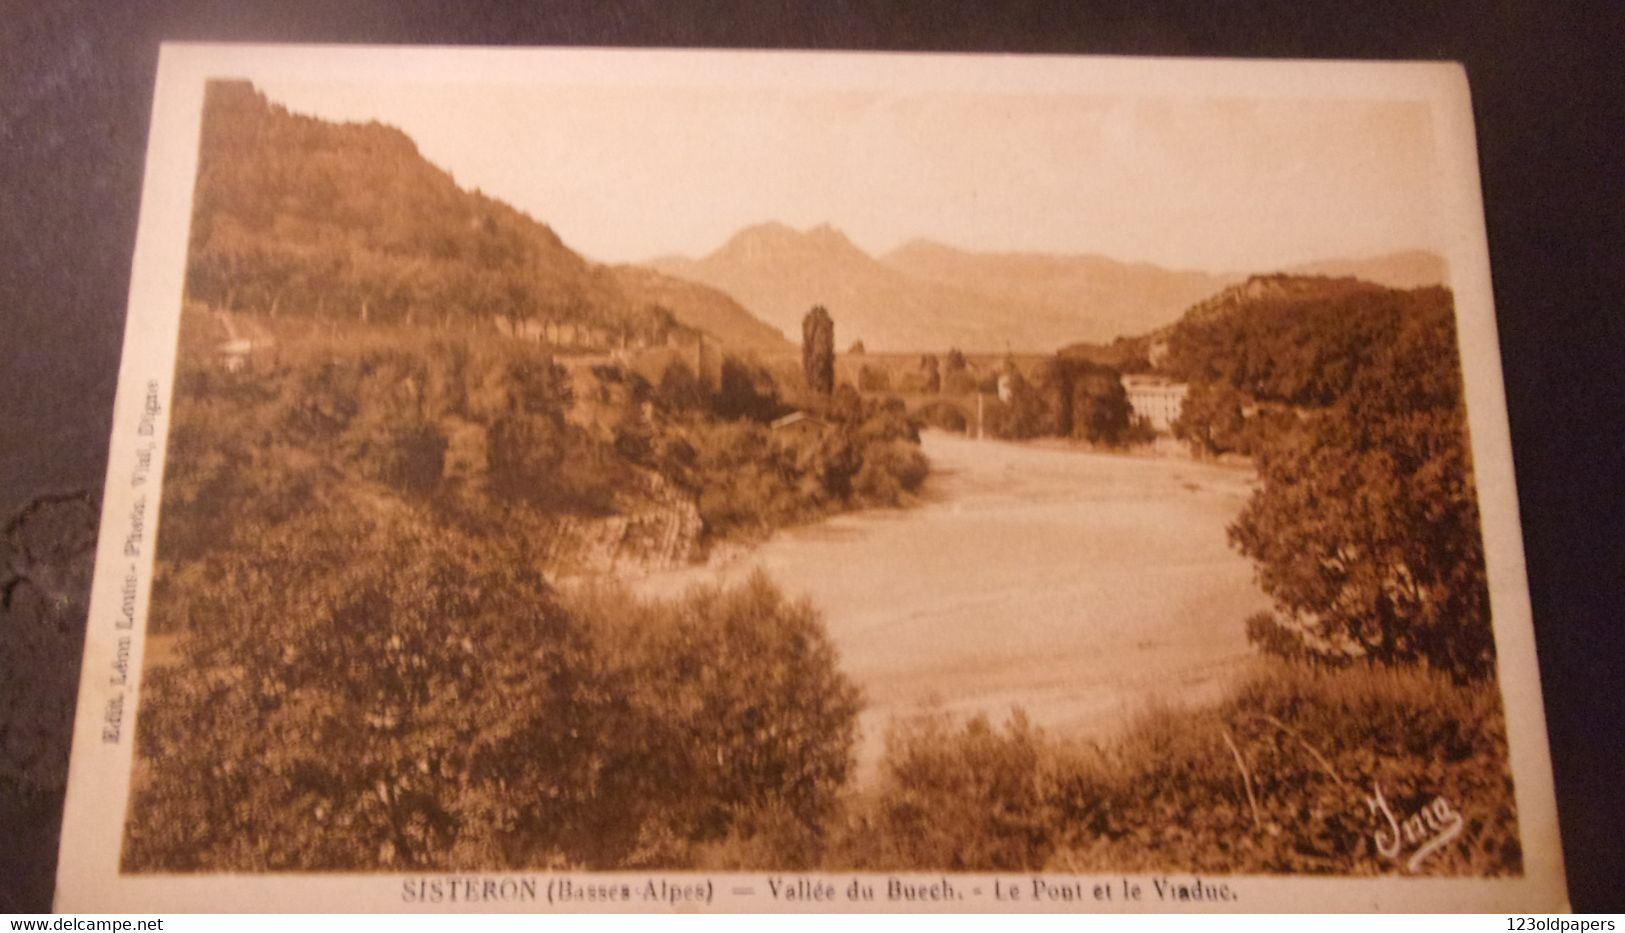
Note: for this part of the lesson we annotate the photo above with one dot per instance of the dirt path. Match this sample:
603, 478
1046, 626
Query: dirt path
1081, 587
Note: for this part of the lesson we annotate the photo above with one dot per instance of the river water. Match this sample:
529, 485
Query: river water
1078, 586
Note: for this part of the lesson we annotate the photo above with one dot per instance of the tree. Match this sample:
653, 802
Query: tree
1048, 396
746, 391
818, 350
1099, 406
931, 371
1365, 529
680, 389
1066, 397
1025, 415
1212, 420
957, 376
1302, 345
416, 701
738, 706
857, 348
873, 379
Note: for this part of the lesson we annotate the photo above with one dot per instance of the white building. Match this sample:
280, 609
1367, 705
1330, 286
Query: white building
1155, 399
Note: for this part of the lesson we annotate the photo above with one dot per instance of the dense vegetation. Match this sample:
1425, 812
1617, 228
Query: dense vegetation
362, 509
421, 699
295, 215
350, 600
1258, 354
1066, 397
1274, 779
1124, 354
1365, 526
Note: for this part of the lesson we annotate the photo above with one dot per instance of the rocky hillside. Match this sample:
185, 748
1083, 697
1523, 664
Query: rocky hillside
295, 215
702, 308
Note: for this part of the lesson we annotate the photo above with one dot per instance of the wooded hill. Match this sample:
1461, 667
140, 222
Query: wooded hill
1294, 340
297, 215
1365, 524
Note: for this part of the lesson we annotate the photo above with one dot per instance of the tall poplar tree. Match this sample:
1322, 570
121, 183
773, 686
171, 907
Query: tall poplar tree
818, 350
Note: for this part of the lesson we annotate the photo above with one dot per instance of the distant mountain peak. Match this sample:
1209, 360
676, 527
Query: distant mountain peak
828, 234
772, 241
765, 229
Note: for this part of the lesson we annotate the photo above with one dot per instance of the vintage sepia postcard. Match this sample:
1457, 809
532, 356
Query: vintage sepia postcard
613, 480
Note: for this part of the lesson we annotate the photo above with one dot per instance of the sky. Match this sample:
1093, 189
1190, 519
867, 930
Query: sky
625, 174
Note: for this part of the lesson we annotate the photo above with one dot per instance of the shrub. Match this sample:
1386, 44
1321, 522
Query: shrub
739, 714
414, 698
890, 470
680, 389
944, 416
952, 797
1168, 794
746, 391
420, 701
873, 379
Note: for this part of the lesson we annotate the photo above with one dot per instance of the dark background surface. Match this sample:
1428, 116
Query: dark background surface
75, 94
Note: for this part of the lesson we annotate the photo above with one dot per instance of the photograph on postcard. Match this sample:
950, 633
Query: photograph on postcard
817, 478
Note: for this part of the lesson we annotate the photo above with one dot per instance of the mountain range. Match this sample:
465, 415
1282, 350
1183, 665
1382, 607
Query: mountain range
779, 273
298, 215
927, 295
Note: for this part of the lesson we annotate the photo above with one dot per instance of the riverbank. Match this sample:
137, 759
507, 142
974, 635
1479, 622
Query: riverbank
1081, 587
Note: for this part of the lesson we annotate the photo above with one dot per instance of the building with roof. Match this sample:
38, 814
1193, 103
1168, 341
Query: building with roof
1157, 400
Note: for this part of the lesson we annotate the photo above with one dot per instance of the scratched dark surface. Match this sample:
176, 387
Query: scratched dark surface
75, 92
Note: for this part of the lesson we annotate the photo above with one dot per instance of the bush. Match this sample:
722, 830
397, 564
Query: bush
740, 716
416, 700
749, 479
891, 470
419, 701
746, 391
873, 379
944, 416
1168, 794
952, 797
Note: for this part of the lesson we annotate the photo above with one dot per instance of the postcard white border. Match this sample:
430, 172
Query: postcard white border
88, 879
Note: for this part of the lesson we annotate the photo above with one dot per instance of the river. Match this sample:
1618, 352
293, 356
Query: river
1081, 587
